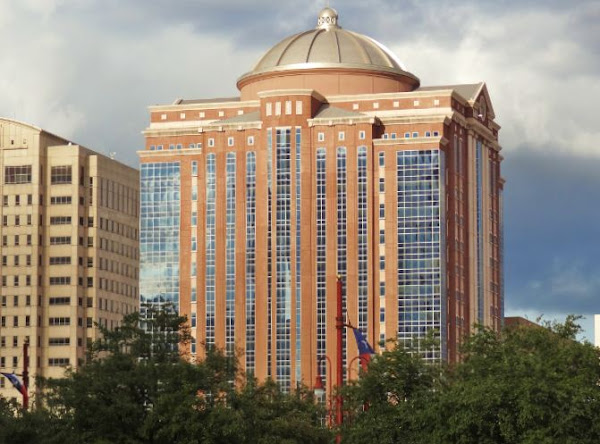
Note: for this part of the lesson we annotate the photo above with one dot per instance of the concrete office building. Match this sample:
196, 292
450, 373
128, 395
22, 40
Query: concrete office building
69, 249
332, 161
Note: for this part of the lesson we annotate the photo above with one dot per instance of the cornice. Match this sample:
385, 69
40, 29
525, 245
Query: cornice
291, 92
434, 141
205, 106
341, 121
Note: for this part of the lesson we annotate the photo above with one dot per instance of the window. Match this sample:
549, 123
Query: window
28, 280
59, 341
407, 135
60, 280
427, 133
17, 200
362, 135
341, 135
17, 174
4, 220
321, 137
17, 239
90, 241
381, 211
194, 218
90, 222
2, 341
60, 240
59, 321
29, 199
211, 142
28, 260
16, 300
382, 262
250, 140
60, 175
60, 301
5, 201
90, 282
15, 321
415, 134
4, 301
29, 219
16, 281
60, 220
29, 239
382, 236
381, 157
58, 362
60, 200
382, 184
230, 141
90, 262
194, 168
60, 260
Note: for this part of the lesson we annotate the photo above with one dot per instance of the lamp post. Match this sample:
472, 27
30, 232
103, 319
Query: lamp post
319, 389
339, 325
25, 374
363, 363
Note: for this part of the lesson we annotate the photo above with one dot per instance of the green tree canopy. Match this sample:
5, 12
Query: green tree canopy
135, 388
530, 384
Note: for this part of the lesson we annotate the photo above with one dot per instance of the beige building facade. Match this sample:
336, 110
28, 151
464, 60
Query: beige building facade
333, 160
69, 252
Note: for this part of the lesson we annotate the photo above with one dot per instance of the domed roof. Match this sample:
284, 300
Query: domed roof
328, 46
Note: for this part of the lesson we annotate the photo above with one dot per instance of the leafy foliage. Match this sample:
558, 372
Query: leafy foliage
531, 384
527, 385
135, 388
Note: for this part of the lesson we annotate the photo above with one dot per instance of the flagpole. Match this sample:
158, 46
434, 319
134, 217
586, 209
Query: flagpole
340, 324
25, 374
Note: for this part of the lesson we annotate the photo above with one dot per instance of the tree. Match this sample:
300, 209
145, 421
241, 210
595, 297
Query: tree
136, 388
529, 385
385, 405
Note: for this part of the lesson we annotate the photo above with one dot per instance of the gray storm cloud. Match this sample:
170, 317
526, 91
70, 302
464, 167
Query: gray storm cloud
88, 69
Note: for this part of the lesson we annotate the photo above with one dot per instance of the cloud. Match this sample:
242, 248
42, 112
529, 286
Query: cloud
551, 229
98, 64
544, 84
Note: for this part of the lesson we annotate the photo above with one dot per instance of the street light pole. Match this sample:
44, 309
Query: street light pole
339, 325
25, 373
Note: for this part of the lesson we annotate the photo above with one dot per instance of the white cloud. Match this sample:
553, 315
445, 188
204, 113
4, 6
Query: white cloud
538, 73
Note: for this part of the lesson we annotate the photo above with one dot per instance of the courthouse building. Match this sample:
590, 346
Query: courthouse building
333, 160
69, 249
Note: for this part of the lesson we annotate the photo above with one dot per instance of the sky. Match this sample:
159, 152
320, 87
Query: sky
88, 69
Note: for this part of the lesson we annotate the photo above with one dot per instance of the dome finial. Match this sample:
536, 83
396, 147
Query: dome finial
328, 18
